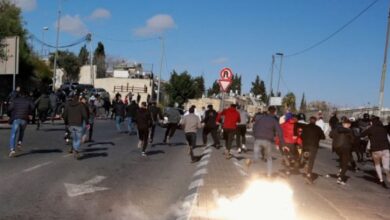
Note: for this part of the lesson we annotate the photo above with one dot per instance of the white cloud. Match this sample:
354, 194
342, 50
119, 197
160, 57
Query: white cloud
220, 60
156, 25
73, 25
100, 13
26, 5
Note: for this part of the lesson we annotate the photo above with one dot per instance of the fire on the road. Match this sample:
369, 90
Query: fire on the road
261, 200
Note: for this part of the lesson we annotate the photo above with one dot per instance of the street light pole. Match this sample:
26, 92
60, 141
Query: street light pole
161, 65
384, 67
43, 39
57, 40
280, 70
272, 75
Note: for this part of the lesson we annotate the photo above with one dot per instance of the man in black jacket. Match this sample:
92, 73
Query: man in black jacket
74, 115
311, 136
143, 119
379, 147
119, 111
156, 117
210, 126
43, 105
342, 144
21, 109
131, 111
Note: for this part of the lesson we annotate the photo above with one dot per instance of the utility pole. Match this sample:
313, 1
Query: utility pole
384, 68
272, 75
161, 65
89, 39
57, 40
280, 70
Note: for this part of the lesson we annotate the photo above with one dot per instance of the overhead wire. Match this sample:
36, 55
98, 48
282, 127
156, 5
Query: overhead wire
77, 42
335, 32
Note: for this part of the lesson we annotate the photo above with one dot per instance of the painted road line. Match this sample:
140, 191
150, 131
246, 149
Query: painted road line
203, 163
206, 157
87, 187
37, 166
196, 184
200, 172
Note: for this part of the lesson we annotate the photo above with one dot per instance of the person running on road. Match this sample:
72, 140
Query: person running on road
119, 111
143, 120
43, 105
131, 111
265, 129
311, 136
241, 129
91, 120
191, 123
21, 109
334, 121
53, 105
231, 119
74, 116
290, 154
174, 117
157, 116
379, 147
342, 144
210, 126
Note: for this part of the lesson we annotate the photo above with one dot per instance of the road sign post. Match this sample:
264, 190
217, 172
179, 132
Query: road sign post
10, 65
226, 77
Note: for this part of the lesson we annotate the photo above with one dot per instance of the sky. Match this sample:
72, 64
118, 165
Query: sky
204, 36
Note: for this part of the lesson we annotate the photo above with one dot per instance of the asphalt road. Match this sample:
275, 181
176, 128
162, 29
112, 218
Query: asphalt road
45, 182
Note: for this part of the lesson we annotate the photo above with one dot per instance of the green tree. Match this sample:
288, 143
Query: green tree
214, 89
180, 88
289, 101
200, 88
258, 88
69, 62
303, 105
99, 59
236, 84
31, 68
83, 55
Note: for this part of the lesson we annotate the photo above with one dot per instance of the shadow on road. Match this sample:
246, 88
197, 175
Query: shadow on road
92, 155
95, 149
43, 151
52, 129
154, 152
101, 143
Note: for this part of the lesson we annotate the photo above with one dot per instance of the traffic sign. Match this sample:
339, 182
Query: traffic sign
226, 74
224, 84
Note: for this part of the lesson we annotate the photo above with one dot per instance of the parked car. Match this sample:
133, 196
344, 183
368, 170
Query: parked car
101, 92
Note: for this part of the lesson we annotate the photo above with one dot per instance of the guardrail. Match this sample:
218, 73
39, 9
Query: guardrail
127, 88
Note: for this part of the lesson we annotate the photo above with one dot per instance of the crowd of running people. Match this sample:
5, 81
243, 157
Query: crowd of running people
297, 139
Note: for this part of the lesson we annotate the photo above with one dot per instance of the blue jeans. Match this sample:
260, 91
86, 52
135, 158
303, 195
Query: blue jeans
118, 121
130, 125
266, 145
76, 132
17, 125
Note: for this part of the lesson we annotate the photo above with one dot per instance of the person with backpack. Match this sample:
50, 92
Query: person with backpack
379, 148
43, 105
143, 119
342, 144
311, 136
210, 126
174, 117
20, 109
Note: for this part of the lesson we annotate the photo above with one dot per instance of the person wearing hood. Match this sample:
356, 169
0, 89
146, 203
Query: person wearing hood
342, 144
43, 105
231, 119
74, 116
290, 154
143, 119
379, 147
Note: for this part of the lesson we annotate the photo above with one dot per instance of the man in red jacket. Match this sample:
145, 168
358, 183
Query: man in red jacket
290, 153
230, 119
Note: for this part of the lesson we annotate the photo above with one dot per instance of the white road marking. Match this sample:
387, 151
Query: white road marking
208, 150
200, 172
243, 173
68, 155
203, 163
74, 190
37, 166
196, 184
206, 157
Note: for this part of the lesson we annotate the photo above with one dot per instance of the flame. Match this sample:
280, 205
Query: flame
261, 200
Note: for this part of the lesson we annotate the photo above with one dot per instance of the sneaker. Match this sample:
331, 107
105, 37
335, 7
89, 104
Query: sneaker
140, 143
12, 153
151, 141
76, 154
229, 156
143, 154
244, 148
340, 181
239, 150
308, 180
19, 146
383, 184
